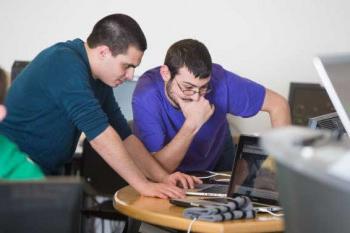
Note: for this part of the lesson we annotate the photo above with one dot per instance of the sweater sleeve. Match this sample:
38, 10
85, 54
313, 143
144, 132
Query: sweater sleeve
75, 96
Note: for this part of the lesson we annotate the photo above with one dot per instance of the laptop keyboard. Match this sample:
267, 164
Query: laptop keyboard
216, 189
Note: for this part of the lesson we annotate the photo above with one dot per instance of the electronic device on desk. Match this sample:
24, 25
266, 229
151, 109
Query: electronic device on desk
334, 71
307, 100
313, 178
211, 177
253, 175
186, 203
330, 121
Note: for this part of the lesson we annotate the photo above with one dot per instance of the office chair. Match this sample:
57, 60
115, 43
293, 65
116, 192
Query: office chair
17, 67
49, 205
104, 182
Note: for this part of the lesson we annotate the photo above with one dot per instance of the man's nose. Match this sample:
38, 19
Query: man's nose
129, 74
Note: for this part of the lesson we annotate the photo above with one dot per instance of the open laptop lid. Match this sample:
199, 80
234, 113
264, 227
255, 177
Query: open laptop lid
334, 71
254, 172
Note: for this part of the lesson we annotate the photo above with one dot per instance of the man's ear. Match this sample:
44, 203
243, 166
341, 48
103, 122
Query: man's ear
165, 73
103, 51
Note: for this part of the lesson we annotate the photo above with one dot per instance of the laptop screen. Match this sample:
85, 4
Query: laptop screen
335, 74
254, 172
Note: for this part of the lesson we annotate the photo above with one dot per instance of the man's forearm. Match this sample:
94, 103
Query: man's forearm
173, 153
110, 147
280, 116
278, 109
144, 160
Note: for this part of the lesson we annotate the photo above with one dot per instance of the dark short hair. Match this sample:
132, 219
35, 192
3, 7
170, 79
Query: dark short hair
190, 53
3, 85
118, 32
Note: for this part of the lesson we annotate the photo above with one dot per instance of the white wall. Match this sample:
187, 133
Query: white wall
269, 41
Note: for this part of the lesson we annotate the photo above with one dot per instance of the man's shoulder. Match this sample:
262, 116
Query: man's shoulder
219, 71
151, 75
149, 83
224, 77
69, 50
62, 53
64, 59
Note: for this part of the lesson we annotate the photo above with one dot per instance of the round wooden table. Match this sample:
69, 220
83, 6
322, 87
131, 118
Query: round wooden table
160, 212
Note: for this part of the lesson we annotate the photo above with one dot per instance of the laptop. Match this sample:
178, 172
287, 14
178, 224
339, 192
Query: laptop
334, 71
253, 175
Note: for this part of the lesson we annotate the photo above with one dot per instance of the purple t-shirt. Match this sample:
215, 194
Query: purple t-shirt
156, 121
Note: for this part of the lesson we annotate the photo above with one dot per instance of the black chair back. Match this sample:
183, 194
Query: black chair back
102, 178
17, 67
50, 205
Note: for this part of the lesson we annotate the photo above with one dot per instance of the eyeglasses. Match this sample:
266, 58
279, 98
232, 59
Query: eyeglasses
189, 92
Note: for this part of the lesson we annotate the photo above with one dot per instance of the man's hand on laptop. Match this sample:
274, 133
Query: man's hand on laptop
182, 180
161, 190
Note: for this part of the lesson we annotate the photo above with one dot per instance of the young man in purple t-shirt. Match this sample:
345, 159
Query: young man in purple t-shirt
180, 108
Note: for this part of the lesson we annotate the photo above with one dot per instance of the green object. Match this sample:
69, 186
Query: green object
16, 165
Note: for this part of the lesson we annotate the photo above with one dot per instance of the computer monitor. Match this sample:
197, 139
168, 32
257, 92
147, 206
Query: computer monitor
308, 100
254, 173
123, 96
330, 121
334, 71
50, 205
